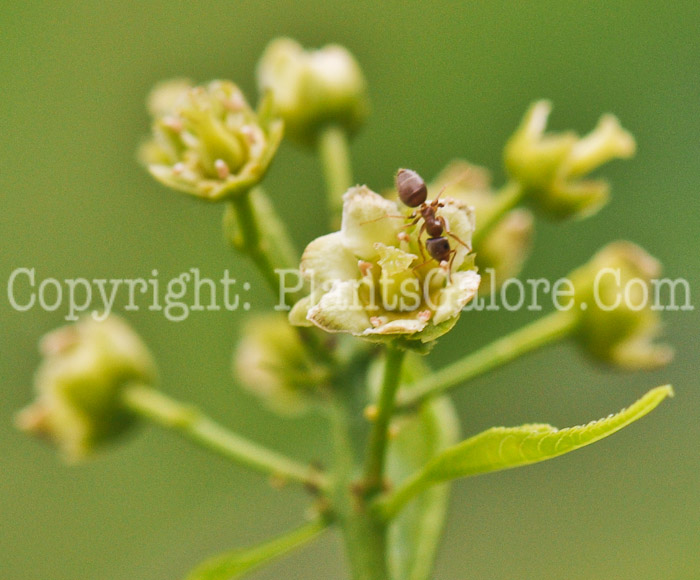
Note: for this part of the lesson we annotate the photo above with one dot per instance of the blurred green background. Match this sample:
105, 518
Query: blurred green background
447, 79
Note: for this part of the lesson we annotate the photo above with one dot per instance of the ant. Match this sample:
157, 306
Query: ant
413, 193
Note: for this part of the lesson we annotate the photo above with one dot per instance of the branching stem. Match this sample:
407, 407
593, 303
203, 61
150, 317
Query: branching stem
543, 331
192, 424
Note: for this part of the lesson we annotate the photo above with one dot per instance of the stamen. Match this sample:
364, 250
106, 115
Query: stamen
222, 168
424, 315
173, 123
248, 132
234, 103
365, 267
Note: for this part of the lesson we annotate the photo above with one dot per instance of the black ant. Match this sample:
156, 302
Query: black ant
413, 193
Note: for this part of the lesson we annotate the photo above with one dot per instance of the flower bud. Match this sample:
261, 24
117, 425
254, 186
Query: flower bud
503, 250
207, 141
549, 166
312, 89
79, 384
614, 295
272, 363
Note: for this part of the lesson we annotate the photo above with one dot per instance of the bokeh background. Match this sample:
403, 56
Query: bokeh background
447, 79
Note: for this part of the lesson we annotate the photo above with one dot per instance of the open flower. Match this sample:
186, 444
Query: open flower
207, 141
502, 252
614, 295
550, 166
79, 384
375, 279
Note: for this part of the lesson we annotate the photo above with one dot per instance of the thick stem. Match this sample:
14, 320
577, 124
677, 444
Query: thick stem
192, 424
545, 330
509, 196
335, 156
364, 532
376, 449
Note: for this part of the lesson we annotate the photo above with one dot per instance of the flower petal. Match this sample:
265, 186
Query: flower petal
451, 299
367, 219
327, 259
340, 310
399, 326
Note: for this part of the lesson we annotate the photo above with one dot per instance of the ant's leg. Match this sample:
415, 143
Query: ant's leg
453, 253
420, 243
403, 217
413, 217
449, 233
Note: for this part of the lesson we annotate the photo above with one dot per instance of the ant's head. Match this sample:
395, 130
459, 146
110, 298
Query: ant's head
411, 188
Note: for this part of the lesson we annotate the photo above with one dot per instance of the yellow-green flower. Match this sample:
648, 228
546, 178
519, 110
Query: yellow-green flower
79, 384
375, 279
313, 89
551, 167
207, 141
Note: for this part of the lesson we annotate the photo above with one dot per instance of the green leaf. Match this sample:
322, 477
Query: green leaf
415, 534
506, 447
237, 563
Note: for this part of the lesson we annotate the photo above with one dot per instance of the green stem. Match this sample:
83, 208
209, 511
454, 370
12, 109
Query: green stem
552, 327
251, 242
376, 449
335, 156
192, 424
364, 533
389, 507
509, 196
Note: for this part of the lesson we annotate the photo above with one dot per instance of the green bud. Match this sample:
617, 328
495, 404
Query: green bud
79, 384
312, 89
614, 295
504, 249
207, 141
549, 166
273, 364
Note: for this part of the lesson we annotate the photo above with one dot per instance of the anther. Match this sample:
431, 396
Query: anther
222, 168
